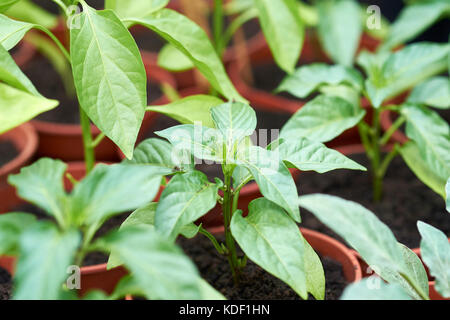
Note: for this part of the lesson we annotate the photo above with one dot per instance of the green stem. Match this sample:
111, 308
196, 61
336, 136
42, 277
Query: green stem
388, 159
98, 140
395, 126
376, 159
213, 240
218, 25
89, 155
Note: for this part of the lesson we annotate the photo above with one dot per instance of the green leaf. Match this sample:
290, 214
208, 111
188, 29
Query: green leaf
12, 31
109, 190
28, 11
404, 69
274, 242
306, 155
374, 289
343, 91
340, 28
11, 74
109, 76
191, 40
186, 198
322, 119
172, 59
447, 191
160, 268
12, 225
435, 251
235, 120
283, 29
373, 240
156, 152
45, 254
432, 136
136, 8
42, 184
6, 4
17, 107
434, 92
307, 79
208, 292
202, 142
413, 20
315, 276
410, 153
273, 178
196, 108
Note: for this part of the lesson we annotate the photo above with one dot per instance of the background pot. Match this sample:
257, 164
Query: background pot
25, 140
23, 53
65, 142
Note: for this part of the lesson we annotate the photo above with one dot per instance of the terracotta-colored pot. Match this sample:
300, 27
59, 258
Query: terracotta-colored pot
65, 142
25, 140
367, 272
326, 247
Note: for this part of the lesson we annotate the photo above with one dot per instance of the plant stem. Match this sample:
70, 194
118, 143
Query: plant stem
213, 240
388, 134
89, 155
376, 157
218, 25
229, 240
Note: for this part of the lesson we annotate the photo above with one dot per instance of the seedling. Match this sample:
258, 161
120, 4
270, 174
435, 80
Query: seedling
269, 235
400, 267
387, 75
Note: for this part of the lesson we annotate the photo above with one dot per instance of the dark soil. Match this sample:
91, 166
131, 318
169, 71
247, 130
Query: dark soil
8, 152
256, 284
445, 114
5, 285
49, 83
406, 199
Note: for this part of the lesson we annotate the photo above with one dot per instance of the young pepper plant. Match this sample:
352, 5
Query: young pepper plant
269, 235
46, 249
400, 267
387, 76
112, 93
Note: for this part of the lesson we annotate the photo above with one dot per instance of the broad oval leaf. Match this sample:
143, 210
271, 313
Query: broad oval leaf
136, 8
322, 119
202, 142
435, 251
190, 110
410, 153
114, 189
374, 288
306, 155
307, 79
432, 136
25, 10
12, 225
172, 59
273, 178
109, 76
186, 198
18, 107
191, 40
283, 29
434, 92
159, 267
11, 74
6, 4
235, 120
447, 191
45, 254
42, 184
406, 68
12, 31
273, 241
340, 28
413, 20
373, 240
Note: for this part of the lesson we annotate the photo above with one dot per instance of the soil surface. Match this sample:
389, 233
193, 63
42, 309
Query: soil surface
406, 199
256, 284
5, 284
8, 152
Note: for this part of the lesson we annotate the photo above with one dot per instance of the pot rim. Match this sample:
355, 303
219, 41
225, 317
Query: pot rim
26, 133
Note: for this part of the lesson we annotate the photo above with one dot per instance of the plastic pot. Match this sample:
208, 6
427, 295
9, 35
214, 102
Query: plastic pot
65, 142
326, 247
25, 140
